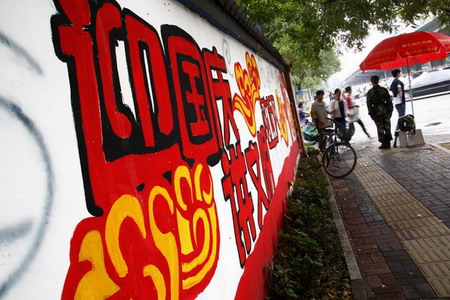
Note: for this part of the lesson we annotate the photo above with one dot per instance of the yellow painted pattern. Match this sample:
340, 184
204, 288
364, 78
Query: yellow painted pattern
165, 242
189, 217
249, 84
96, 283
182, 172
282, 118
189, 282
158, 279
125, 206
189, 266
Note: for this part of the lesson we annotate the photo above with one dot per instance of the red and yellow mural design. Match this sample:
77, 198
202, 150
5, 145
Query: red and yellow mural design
148, 183
282, 118
154, 231
249, 84
163, 246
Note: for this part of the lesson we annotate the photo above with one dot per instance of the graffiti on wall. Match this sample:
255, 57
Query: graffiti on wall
147, 170
22, 226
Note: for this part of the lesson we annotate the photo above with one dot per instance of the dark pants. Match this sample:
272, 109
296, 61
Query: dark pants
322, 139
401, 108
362, 126
384, 130
340, 120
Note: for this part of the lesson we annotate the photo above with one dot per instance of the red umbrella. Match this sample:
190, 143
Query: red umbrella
407, 49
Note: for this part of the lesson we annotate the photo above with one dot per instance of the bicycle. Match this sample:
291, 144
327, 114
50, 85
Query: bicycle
339, 158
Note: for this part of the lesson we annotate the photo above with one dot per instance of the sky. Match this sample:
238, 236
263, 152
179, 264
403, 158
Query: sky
350, 59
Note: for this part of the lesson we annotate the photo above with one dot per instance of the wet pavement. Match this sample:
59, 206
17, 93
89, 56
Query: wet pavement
431, 116
396, 210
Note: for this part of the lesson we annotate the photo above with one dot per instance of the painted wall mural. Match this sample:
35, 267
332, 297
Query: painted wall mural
181, 151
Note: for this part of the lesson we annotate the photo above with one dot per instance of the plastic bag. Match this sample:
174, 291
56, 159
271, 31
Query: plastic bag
309, 132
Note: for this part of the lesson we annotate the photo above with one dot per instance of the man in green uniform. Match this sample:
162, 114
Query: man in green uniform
379, 104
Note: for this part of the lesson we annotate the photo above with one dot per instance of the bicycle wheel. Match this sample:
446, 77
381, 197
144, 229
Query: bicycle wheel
339, 159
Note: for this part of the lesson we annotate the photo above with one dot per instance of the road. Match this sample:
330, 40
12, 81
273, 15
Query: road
432, 116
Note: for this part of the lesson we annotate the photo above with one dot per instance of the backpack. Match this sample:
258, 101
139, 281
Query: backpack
407, 123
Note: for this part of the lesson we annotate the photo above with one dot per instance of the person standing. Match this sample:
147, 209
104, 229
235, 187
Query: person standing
353, 110
319, 115
379, 104
338, 108
302, 114
398, 91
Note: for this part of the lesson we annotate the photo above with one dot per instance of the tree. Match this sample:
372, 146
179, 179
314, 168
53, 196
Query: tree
307, 32
314, 76
289, 29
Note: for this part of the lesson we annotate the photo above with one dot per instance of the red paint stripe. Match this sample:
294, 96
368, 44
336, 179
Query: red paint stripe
253, 282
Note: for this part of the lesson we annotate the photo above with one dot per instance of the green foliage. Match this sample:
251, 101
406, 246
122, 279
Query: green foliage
311, 150
307, 32
289, 25
309, 262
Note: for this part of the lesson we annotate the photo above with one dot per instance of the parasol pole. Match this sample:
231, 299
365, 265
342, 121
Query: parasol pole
410, 89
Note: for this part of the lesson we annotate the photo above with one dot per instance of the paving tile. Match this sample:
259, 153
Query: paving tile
391, 296
417, 222
374, 281
377, 258
377, 268
429, 255
367, 249
425, 291
411, 292
408, 198
441, 286
404, 215
423, 232
395, 255
441, 269
406, 207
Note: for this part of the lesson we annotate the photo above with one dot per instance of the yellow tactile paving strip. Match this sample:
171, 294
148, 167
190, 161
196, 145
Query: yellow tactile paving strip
445, 145
423, 235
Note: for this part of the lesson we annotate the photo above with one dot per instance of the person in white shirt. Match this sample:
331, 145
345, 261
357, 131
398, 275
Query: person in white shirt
353, 110
398, 91
338, 108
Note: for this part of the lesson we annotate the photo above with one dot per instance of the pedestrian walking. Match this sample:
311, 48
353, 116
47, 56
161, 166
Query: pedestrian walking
353, 110
398, 91
319, 115
379, 104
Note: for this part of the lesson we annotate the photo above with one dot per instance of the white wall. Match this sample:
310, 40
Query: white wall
43, 198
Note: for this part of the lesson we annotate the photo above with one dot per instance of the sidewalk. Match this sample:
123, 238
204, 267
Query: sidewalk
396, 209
